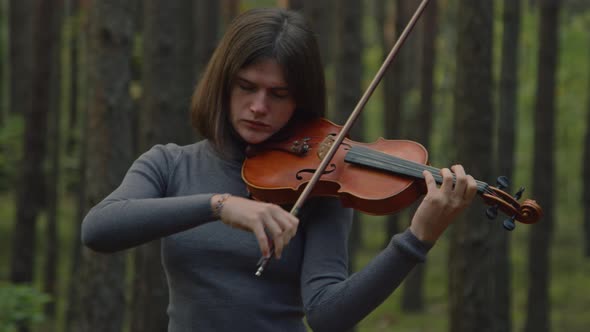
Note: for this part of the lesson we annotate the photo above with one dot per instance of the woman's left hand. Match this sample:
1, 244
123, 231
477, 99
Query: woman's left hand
442, 204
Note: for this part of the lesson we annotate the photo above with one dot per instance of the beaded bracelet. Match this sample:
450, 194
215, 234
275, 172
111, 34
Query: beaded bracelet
219, 204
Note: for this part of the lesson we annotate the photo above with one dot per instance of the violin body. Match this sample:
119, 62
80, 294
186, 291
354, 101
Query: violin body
375, 178
278, 171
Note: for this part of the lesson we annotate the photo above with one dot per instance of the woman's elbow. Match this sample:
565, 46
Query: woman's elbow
94, 238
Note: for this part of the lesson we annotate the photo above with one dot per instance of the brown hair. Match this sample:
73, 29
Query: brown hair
258, 34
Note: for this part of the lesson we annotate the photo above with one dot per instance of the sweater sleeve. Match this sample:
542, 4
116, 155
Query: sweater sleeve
138, 211
334, 301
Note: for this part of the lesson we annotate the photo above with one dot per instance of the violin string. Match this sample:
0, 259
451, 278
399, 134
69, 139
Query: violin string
408, 167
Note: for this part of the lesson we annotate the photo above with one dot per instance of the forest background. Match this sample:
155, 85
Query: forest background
499, 86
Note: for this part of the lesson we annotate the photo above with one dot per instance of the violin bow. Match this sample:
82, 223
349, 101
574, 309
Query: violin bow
263, 262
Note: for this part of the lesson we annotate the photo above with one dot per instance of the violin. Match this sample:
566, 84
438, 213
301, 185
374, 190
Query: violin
375, 178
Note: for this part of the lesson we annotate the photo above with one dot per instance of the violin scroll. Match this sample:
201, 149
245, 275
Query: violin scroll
529, 212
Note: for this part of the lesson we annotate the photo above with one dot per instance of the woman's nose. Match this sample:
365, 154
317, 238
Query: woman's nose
259, 103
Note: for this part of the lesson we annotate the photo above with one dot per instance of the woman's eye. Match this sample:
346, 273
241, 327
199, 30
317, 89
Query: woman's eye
246, 87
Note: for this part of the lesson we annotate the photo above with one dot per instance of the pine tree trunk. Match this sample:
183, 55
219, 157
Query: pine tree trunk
321, 18
73, 16
51, 232
413, 295
21, 56
586, 177
168, 80
505, 153
394, 87
471, 248
538, 305
229, 10
206, 25
348, 85
3, 62
31, 197
102, 277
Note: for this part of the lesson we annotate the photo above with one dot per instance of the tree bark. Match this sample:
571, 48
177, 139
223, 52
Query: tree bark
538, 303
73, 16
102, 277
207, 31
167, 82
3, 62
31, 199
21, 56
53, 176
321, 18
348, 85
230, 9
413, 295
586, 177
471, 248
395, 86
505, 153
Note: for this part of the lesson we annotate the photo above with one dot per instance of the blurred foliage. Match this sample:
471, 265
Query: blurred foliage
20, 305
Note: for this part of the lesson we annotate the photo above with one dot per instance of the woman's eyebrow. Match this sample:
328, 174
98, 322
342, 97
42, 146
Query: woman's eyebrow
247, 81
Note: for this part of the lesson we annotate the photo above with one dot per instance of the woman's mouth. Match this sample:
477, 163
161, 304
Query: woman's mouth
256, 124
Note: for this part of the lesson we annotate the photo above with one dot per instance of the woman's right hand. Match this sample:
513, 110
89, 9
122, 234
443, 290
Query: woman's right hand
262, 219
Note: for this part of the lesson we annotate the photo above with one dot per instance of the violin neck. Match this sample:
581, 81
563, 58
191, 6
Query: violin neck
363, 156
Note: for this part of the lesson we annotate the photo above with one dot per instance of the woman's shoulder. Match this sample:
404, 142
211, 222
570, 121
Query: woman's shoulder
170, 155
173, 151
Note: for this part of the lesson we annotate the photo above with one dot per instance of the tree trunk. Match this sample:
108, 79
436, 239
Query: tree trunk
207, 31
348, 86
78, 84
51, 232
168, 80
395, 85
586, 177
321, 18
505, 153
31, 200
229, 10
21, 56
291, 4
3, 62
73, 16
538, 310
472, 249
413, 295
102, 277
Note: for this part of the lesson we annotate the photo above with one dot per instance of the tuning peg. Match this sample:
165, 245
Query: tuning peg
492, 212
518, 194
502, 182
509, 224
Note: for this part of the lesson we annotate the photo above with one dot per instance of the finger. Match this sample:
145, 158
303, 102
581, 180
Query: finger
276, 233
263, 240
430, 181
461, 180
447, 181
287, 222
471, 188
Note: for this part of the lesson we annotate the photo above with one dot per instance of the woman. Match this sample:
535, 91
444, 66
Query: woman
265, 74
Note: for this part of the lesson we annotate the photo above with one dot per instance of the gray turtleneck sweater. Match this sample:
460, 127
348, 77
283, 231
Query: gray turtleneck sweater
210, 266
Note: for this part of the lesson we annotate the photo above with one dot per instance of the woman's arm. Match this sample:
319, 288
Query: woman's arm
138, 211
333, 301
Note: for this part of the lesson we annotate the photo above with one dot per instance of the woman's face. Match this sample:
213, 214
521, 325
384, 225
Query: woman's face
260, 102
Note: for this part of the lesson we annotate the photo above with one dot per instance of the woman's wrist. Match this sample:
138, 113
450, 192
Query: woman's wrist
217, 203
